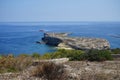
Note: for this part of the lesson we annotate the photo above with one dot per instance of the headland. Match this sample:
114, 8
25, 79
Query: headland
62, 40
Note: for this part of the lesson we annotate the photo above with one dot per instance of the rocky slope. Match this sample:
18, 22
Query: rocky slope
76, 70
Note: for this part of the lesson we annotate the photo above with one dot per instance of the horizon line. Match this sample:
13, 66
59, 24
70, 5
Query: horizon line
50, 21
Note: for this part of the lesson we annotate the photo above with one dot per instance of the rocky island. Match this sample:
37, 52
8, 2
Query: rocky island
62, 40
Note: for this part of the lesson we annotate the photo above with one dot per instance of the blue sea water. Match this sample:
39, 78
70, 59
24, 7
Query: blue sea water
17, 38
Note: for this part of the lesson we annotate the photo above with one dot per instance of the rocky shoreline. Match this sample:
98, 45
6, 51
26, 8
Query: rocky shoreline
62, 40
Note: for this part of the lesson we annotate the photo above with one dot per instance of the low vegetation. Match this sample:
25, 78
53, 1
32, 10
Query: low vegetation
98, 55
35, 55
78, 55
10, 63
14, 64
71, 54
49, 71
116, 51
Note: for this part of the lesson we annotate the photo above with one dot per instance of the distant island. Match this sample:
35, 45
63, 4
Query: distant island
62, 40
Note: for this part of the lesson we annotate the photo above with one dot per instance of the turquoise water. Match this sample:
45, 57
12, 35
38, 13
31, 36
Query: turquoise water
20, 38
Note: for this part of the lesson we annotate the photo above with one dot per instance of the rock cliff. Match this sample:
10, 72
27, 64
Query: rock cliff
82, 43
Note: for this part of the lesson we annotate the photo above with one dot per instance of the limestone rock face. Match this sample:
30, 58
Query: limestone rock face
64, 46
61, 39
52, 41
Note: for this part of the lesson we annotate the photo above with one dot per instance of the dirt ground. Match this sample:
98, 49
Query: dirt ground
84, 70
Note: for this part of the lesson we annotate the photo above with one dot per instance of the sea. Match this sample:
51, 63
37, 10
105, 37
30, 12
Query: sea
20, 37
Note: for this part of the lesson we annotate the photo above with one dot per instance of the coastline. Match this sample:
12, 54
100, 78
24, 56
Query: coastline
62, 40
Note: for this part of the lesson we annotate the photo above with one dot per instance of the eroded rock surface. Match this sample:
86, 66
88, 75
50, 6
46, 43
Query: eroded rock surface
55, 39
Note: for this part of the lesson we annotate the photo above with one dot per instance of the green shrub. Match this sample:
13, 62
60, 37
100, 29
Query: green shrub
46, 56
77, 55
116, 51
98, 55
71, 54
0, 56
74, 55
35, 55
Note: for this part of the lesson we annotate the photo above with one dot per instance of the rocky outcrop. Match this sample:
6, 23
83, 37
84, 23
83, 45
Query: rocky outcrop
52, 41
55, 39
56, 61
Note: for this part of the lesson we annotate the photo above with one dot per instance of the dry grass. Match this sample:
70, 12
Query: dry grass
50, 71
12, 64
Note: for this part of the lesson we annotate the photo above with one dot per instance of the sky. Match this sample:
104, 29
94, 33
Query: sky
59, 10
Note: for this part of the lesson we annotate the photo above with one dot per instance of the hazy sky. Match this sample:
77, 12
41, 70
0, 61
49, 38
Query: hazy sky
59, 10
